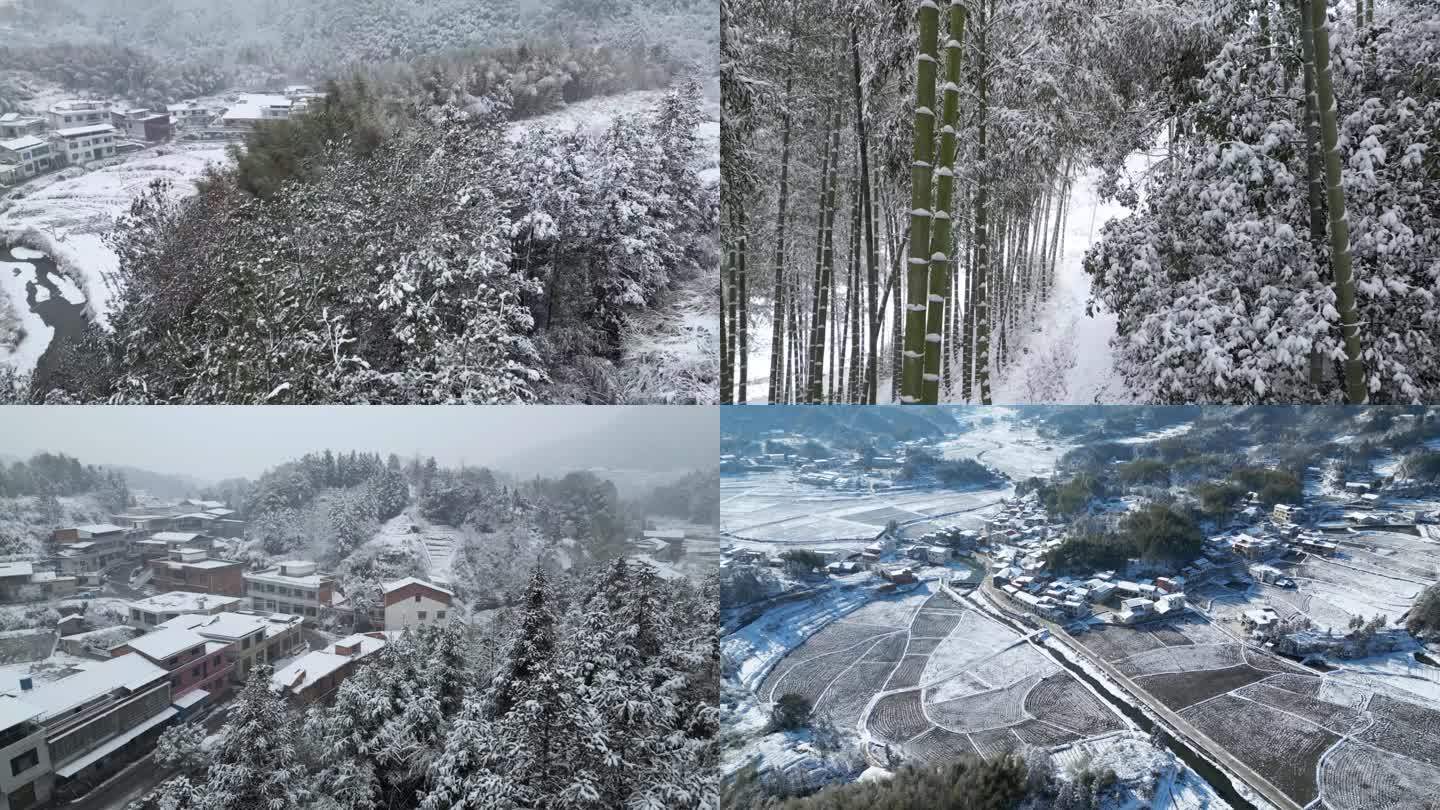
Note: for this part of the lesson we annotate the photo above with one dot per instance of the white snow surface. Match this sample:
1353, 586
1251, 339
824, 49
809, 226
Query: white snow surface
67, 215
36, 334
1067, 357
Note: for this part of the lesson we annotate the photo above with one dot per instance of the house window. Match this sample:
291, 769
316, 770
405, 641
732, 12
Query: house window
245, 645
196, 671
417, 598
422, 614
24, 762
440, 614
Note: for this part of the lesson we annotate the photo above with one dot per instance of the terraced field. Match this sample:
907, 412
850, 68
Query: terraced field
934, 681
1310, 735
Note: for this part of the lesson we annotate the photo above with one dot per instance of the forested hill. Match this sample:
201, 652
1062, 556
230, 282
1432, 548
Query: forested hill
319, 36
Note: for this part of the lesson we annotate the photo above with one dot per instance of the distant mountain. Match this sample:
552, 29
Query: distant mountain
840, 422
650, 439
159, 485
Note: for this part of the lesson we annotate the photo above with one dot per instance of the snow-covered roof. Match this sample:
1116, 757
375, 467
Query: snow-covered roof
78, 132
313, 666
129, 671
15, 117
183, 601
190, 698
165, 642
17, 569
175, 537
276, 574
218, 512
400, 583
221, 625
25, 142
14, 711
100, 528
251, 107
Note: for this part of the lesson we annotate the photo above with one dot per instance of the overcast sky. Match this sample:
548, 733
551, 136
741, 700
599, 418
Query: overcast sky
215, 442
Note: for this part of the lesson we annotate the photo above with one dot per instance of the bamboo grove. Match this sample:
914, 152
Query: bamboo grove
893, 214
897, 184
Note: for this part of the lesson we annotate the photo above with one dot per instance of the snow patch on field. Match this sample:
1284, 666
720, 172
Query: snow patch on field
1396, 673
68, 216
23, 335
756, 647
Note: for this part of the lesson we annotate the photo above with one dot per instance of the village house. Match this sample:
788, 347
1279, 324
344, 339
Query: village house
23, 157
293, 586
79, 145
142, 124
1255, 548
1271, 575
92, 723
1135, 610
197, 666
85, 551
20, 581
160, 545
192, 569
413, 602
18, 125
78, 113
253, 638
190, 113
1288, 514
142, 521
1315, 545
315, 675
156, 610
257, 109
28, 781
1259, 620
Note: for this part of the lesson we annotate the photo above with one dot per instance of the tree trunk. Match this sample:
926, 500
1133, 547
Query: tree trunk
824, 261
742, 318
777, 339
1355, 388
982, 203
922, 161
867, 213
1316, 186
940, 235
857, 389
727, 321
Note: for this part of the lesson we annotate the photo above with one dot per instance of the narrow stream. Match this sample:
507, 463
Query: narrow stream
66, 318
1207, 770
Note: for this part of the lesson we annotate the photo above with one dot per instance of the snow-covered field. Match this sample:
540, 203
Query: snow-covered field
67, 215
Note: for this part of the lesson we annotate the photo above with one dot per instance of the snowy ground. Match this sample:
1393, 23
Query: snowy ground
68, 214
1066, 357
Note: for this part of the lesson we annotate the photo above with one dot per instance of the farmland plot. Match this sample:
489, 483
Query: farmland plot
934, 623
1355, 776
898, 717
1339, 719
994, 709
1013, 664
809, 679
1180, 689
1063, 701
1404, 728
1280, 747
939, 745
1182, 659
1038, 732
889, 648
848, 695
907, 674
995, 743
1112, 642
956, 686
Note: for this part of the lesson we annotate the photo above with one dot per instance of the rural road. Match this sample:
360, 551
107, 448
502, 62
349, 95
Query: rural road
1177, 723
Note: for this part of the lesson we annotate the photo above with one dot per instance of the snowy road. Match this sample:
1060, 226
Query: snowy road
1067, 358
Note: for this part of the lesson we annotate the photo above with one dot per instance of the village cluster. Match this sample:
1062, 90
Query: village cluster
81, 702
77, 132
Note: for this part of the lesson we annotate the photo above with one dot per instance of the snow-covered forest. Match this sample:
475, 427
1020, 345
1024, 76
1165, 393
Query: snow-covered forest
579, 678
366, 253
911, 195
184, 48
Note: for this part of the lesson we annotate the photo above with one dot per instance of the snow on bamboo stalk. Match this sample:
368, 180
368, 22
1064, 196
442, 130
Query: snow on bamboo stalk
940, 241
727, 322
982, 225
1355, 390
1313, 169
922, 158
778, 319
825, 278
